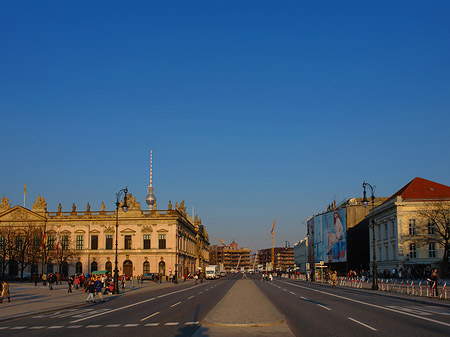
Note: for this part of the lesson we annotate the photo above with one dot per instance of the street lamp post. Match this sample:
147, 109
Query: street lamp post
365, 203
124, 208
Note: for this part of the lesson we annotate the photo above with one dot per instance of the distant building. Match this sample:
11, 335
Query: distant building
232, 256
301, 255
339, 237
283, 258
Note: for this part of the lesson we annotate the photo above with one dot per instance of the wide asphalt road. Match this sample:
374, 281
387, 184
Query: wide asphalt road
317, 310
166, 312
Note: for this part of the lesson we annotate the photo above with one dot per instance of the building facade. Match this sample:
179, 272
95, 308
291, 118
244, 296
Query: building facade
283, 258
149, 241
407, 228
232, 256
301, 256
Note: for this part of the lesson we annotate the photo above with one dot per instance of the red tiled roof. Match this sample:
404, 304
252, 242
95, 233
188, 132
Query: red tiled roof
423, 189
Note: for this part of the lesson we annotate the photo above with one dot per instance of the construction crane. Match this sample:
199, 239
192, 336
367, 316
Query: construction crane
221, 241
273, 250
239, 261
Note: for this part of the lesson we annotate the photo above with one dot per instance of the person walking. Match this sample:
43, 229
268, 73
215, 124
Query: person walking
435, 279
91, 290
123, 281
69, 284
44, 279
98, 289
5, 292
333, 278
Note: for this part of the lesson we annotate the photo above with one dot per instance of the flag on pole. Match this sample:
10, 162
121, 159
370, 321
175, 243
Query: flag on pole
25, 189
44, 241
57, 244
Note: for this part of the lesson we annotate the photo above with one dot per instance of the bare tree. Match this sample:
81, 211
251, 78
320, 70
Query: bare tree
434, 227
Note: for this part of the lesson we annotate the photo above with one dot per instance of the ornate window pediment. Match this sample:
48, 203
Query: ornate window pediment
128, 230
162, 230
80, 231
95, 231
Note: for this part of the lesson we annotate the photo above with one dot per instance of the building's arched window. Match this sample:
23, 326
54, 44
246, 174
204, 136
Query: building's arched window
94, 266
162, 268
146, 267
79, 268
108, 266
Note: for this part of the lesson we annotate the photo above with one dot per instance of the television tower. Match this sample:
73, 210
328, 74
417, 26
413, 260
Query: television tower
151, 199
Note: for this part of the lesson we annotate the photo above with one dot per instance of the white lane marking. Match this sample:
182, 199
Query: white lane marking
292, 293
131, 325
172, 323
19, 327
303, 298
174, 305
190, 297
152, 324
37, 327
56, 327
284, 289
322, 306
4, 327
192, 323
365, 325
154, 314
112, 326
93, 326
201, 292
74, 326
132, 305
206, 289
374, 305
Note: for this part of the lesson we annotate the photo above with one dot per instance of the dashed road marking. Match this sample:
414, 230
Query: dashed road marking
36, 327
303, 298
322, 306
190, 297
363, 324
292, 293
56, 327
154, 314
74, 326
201, 292
192, 323
112, 326
19, 327
172, 323
131, 325
152, 324
372, 305
93, 326
174, 305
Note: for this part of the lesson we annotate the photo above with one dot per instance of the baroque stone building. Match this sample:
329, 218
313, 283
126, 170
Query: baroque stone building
149, 241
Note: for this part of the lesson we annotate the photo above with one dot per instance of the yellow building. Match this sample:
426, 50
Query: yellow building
149, 241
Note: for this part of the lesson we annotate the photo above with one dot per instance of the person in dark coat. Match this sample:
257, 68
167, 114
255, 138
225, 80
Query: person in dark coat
91, 290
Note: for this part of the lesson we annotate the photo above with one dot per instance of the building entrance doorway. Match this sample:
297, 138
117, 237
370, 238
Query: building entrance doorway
128, 268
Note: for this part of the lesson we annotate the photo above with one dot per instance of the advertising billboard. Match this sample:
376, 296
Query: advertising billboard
330, 242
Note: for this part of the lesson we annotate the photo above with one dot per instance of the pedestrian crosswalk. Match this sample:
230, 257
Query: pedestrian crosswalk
96, 326
422, 310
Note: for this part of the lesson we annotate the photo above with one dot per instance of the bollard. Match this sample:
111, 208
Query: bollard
412, 288
420, 288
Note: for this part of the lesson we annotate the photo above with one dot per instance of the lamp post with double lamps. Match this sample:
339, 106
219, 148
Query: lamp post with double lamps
123, 191
365, 203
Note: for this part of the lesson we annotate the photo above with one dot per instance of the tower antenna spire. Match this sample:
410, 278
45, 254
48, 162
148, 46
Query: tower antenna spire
151, 199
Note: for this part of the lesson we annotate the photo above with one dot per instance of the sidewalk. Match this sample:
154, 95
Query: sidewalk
244, 311
26, 299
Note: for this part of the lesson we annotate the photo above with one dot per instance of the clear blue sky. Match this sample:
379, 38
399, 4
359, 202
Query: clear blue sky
255, 110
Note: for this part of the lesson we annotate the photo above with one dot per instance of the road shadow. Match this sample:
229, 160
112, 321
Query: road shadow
189, 330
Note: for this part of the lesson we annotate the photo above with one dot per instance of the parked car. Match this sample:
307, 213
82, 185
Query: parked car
149, 276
